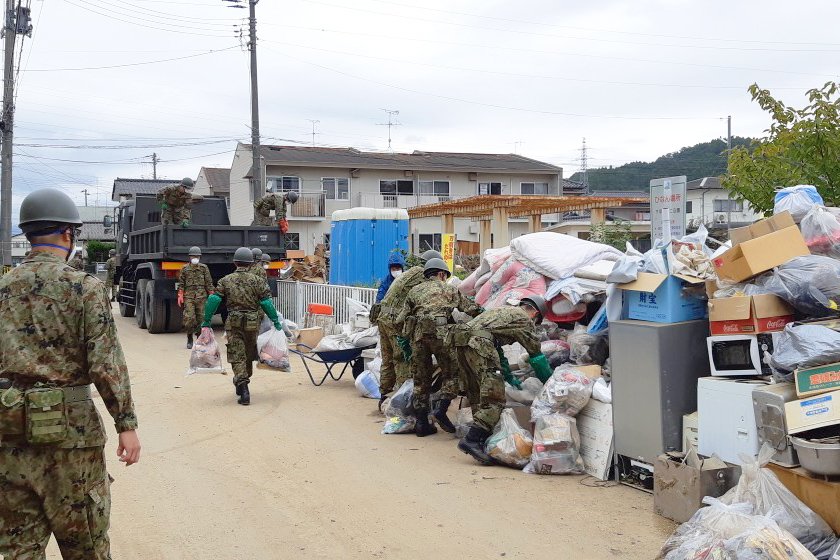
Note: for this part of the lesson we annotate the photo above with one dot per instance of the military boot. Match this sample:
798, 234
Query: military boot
244, 394
423, 428
439, 413
473, 444
189, 341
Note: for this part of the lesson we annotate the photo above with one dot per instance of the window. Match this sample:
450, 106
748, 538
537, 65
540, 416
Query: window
283, 184
327, 242
726, 205
429, 241
434, 188
336, 188
396, 187
489, 188
688, 206
533, 188
292, 241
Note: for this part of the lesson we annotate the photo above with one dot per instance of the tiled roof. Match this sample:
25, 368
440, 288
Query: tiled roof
95, 230
704, 183
131, 187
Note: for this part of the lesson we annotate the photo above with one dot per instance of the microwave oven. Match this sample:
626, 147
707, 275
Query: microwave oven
740, 354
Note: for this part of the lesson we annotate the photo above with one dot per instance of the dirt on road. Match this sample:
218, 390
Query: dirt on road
305, 473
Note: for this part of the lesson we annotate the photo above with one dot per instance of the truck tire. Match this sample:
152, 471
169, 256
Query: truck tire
155, 310
174, 317
126, 310
140, 302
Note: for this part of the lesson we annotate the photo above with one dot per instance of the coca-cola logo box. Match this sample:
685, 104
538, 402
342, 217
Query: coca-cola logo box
748, 314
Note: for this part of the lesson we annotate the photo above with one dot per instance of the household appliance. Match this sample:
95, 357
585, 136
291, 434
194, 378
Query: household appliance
735, 355
726, 417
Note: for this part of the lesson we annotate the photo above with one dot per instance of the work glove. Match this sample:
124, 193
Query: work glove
278, 325
541, 368
205, 325
284, 225
506, 373
405, 346
180, 298
185, 224
164, 206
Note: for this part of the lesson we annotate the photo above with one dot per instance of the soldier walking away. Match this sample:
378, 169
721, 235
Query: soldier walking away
277, 202
57, 336
244, 294
427, 319
395, 360
176, 203
76, 261
111, 269
478, 347
195, 285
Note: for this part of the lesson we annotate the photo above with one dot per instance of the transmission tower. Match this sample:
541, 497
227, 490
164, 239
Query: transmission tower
392, 115
584, 166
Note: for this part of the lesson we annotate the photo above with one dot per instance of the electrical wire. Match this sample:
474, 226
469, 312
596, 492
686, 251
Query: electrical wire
122, 11
132, 64
148, 12
135, 21
126, 147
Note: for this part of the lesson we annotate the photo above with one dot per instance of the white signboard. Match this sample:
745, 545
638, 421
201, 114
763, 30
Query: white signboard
667, 203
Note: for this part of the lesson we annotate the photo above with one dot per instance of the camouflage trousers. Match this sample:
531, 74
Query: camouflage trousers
194, 313
110, 288
46, 490
479, 365
241, 353
422, 370
175, 216
395, 370
261, 219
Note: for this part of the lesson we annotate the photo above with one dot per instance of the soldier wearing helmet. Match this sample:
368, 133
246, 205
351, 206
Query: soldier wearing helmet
195, 284
276, 201
478, 347
395, 362
426, 319
176, 203
244, 295
57, 337
111, 271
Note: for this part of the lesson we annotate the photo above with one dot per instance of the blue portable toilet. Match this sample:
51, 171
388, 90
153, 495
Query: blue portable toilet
361, 239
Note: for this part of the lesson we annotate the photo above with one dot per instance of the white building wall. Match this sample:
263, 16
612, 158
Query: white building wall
241, 204
202, 185
702, 207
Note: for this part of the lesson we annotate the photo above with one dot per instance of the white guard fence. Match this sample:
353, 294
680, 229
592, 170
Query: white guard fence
294, 297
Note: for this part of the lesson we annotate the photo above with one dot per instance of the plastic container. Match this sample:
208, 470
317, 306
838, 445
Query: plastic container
820, 457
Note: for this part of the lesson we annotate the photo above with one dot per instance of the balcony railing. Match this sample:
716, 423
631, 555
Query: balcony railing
377, 200
308, 205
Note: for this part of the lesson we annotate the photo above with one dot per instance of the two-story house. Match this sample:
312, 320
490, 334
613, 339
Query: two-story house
213, 181
707, 202
329, 179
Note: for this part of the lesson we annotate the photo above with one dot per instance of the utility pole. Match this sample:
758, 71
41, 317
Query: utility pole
155, 161
17, 22
256, 175
584, 166
85, 191
392, 114
728, 139
314, 122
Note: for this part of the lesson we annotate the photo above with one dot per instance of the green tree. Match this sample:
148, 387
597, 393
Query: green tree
616, 233
802, 146
97, 251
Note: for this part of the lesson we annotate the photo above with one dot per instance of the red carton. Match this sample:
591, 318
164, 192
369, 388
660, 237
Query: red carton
748, 314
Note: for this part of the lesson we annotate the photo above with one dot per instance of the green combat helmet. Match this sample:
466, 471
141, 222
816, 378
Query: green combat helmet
47, 208
243, 255
195, 251
433, 266
430, 254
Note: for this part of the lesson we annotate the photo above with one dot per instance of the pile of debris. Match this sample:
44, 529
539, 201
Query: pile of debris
311, 268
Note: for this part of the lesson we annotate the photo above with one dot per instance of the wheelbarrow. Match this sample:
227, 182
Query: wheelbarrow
350, 357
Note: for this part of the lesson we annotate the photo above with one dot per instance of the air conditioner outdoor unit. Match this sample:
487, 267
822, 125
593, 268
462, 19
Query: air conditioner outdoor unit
473, 228
720, 218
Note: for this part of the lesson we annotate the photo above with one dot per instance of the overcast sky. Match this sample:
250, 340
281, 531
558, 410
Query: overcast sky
637, 79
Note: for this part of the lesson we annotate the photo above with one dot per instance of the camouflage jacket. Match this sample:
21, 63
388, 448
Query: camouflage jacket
257, 270
111, 267
271, 201
428, 309
56, 328
242, 290
506, 325
175, 196
394, 300
195, 280
77, 262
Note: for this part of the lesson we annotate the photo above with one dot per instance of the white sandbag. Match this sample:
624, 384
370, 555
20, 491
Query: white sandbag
333, 342
368, 385
367, 337
557, 255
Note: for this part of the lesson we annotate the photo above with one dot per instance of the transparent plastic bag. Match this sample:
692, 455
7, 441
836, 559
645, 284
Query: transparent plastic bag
273, 349
205, 356
768, 497
399, 412
587, 349
463, 421
821, 230
797, 200
556, 447
510, 444
566, 392
811, 284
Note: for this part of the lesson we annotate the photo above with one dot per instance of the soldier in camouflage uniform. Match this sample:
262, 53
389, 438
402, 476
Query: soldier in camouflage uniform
244, 294
111, 271
277, 202
478, 347
77, 261
426, 319
176, 203
194, 287
395, 366
57, 336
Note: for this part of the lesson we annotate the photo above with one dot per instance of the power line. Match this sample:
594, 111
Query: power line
109, 67
135, 21
148, 12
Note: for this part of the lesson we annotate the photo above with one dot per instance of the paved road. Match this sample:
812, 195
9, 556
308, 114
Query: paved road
304, 473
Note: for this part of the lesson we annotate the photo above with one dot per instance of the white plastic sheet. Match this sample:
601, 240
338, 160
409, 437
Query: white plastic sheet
558, 256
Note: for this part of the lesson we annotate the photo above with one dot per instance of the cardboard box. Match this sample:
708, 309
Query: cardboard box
817, 380
820, 495
680, 482
595, 427
311, 336
660, 298
295, 254
760, 247
748, 314
813, 412
592, 372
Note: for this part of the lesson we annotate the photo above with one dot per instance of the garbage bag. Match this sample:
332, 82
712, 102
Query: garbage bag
803, 346
510, 444
463, 421
205, 356
587, 349
355, 306
731, 532
768, 497
556, 447
567, 391
531, 387
811, 284
333, 342
399, 413
626, 269
368, 385
821, 230
797, 200
273, 349
556, 352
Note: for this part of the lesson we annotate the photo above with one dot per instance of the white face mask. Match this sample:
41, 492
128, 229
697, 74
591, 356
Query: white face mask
396, 273
72, 253
265, 266
194, 260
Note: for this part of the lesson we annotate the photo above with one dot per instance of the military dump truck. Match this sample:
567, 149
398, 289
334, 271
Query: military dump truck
150, 256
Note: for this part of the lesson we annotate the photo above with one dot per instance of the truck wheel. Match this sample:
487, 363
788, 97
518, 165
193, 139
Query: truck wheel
174, 317
140, 303
126, 310
155, 310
